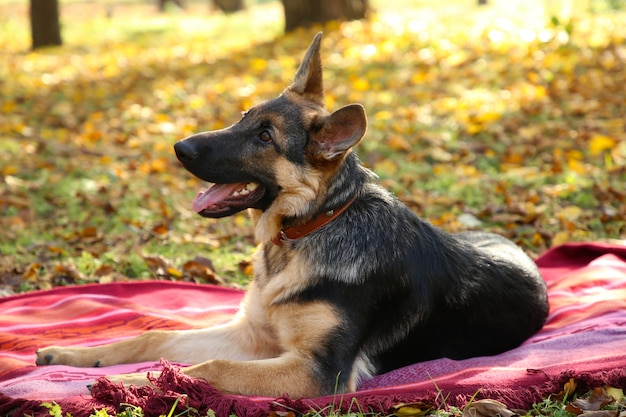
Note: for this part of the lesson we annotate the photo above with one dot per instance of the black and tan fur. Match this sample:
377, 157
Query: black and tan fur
375, 289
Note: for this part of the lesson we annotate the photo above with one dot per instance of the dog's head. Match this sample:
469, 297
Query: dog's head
280, 154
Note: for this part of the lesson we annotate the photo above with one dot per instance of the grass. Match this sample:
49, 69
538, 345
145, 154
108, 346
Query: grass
461, 136
560, 405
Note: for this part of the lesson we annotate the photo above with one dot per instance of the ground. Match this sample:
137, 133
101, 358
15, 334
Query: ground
508, 118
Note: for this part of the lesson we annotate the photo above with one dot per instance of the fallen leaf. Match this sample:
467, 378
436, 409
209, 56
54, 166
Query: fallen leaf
570, 387
162, 267
32, 272
469, 220
487, 408
246, 267
282, 414
415, 409
202, 268
107, 274
601, 413
570, 213
600, 143
616, 393
398, 143
596, 401
69, 271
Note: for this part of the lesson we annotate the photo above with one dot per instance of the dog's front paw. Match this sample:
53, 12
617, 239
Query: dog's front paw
55, 355
136, 379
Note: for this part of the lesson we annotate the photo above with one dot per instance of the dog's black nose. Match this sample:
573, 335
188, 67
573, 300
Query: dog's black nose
185, 151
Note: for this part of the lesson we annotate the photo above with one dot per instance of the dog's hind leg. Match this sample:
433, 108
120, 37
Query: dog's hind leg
291, 372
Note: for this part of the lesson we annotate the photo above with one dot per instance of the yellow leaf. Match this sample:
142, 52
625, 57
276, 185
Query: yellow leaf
420, 77
386, 168
574, 154
488, 116
360, 84
158, 165
561, 237
398, 143
474, 128
258, 64
31, 273
537, 239
408, 411
467, 170
616, 393
416, 409
576, 166
196, 103
241, 220
514, 159
456, 59
600, 143
570, 213
144, 168
9, 107
383, 115
161, 117
330, 100
570, 387
174, 272
440, 169
9, 170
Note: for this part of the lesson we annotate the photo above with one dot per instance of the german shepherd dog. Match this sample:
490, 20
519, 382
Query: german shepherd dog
348, 281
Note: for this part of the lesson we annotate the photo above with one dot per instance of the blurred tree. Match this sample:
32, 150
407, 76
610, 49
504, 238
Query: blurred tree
306, 12
161, 4
44, 23
229, 6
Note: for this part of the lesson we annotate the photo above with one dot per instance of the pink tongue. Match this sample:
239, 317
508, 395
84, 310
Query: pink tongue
215, 194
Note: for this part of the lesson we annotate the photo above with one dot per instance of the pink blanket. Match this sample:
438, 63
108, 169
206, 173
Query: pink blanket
584, 338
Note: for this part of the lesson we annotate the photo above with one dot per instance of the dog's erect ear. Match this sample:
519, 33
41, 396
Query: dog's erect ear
309, 81
340, 131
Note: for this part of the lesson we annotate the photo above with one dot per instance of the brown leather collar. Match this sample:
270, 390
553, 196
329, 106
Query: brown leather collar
318, 222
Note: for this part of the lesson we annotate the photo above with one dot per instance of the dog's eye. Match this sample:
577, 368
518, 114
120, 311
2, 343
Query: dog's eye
265, 136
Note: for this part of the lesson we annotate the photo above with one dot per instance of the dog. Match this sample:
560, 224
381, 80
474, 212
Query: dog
348, 281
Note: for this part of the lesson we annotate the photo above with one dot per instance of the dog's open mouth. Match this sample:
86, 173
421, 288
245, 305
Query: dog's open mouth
221, 200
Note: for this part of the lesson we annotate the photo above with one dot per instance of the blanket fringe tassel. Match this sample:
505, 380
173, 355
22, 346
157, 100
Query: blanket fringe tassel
200, 395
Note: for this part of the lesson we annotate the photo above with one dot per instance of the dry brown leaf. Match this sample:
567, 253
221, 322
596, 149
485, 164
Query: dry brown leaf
202, 268
601, 413
282, 414
69, 271
570, 387
596, 401
487, 408
107, 274
31, 273
162, 267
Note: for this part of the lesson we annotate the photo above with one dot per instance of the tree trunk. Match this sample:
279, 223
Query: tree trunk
300, 13
44, 23
161, 4
229, 6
